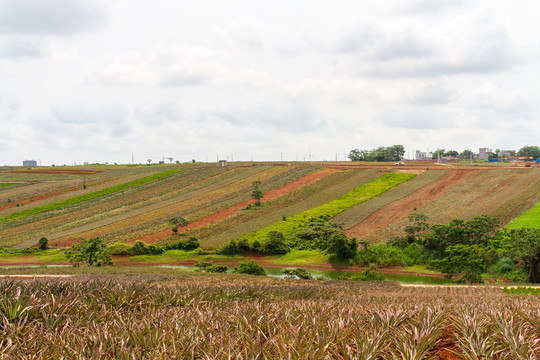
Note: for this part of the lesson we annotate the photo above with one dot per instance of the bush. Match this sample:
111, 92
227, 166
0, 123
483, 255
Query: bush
367, 275
120, 249
217, 269
141, 248
297, 273
191, 243
275, 244
250, 267
230, 248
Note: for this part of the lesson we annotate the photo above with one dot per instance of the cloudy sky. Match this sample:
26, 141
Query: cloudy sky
98, 81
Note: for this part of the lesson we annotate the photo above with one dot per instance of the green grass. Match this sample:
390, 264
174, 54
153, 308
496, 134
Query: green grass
171, 256
300, 258
89, 196
7, 184
530, 219
362, 193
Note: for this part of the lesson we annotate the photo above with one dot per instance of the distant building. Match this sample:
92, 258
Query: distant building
423, 156
29, 163
483, 153
222, 162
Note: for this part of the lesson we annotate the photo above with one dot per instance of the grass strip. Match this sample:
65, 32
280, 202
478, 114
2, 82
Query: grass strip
7, 184
89, 196
354, 197
530, 219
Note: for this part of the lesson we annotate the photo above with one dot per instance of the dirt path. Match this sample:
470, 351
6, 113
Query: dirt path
399, 209
236, 209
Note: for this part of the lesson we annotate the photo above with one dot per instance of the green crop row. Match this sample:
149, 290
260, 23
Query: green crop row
354, 197
529, 219
521, 290
89, 196
7, 184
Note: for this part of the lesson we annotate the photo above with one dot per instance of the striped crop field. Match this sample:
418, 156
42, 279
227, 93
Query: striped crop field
372, 201
354, 197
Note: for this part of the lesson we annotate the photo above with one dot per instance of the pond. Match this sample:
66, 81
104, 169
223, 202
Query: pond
335, 275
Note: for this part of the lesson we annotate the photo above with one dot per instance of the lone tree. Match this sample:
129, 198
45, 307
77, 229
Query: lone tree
43, 243
257, 193
177, 222
92, 251
524, 244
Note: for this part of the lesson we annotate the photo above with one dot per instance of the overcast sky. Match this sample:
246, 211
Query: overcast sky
98, 81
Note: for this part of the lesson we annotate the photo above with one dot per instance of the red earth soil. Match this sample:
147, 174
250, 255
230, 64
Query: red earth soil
401, 208
59, 171
51, 194
236, 209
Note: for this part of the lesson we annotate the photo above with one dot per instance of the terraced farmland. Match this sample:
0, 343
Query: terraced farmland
125, 204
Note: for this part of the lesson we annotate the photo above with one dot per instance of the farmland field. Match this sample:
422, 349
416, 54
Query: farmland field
210, 316
129, 203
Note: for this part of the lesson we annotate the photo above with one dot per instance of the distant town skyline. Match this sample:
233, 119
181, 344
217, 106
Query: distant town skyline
98, 81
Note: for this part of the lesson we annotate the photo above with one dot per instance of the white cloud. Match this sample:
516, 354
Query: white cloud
46, 17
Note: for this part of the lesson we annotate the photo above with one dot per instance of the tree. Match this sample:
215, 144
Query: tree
257, 193
43, 243
342, 247
463, 247
453, 153
357, 155
92, 251
391, 153
275, 244
466, 155
524, 244
437, 153
176, 222
529, 151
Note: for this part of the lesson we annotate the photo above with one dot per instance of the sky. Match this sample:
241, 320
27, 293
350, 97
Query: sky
130, 80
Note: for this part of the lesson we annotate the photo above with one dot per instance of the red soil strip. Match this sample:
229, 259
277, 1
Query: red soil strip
236, 209
52, 194
59, 171
401, 208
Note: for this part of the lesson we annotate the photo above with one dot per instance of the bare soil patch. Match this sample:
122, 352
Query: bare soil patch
401, 208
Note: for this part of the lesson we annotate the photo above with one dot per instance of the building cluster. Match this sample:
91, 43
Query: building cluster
482, 154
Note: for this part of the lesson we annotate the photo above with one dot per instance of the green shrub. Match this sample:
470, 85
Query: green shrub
217, 269
275, 244
367, 275
120, 249
297, 273
191, 243
250, 267
141, 248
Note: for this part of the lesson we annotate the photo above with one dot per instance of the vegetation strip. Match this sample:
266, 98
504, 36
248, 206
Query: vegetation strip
90, 196
530, 219
362, 193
